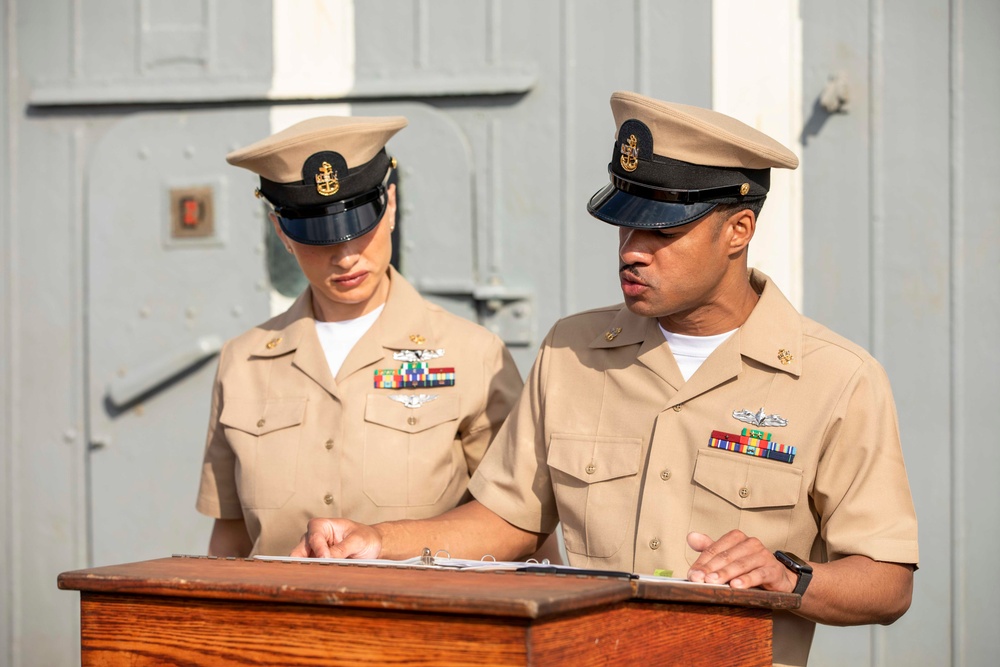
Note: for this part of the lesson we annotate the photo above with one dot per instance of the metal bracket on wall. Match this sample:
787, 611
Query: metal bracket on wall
142, 381
836, 94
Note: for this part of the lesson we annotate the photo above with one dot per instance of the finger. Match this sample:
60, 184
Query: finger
319, 538
301, 549
698, 541
772, 576
352, 546
740, 559
707, 561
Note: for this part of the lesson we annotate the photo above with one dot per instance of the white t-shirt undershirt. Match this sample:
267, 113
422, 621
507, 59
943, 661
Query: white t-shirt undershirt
691, 351
338, 338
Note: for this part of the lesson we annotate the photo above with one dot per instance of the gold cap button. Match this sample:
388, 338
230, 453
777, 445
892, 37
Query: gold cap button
744, 492
328, 499
260, 423
591, 468
665, 475
654, 543
329, 444
677, 408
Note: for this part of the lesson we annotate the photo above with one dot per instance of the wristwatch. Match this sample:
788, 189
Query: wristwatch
798, 566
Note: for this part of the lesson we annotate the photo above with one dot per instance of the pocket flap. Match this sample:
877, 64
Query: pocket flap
380, 409
746, 482
262, 417
594, 458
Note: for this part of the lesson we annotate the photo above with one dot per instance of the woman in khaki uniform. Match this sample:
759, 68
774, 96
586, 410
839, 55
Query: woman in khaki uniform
362, 400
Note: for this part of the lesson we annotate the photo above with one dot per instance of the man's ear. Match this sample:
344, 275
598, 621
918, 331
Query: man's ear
742, 224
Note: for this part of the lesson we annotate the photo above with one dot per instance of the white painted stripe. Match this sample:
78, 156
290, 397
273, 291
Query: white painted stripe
313, 49
757, 78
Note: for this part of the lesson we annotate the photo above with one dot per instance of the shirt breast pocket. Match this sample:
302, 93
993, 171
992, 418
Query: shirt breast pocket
738, 491
265, 436
595, 480
411, 455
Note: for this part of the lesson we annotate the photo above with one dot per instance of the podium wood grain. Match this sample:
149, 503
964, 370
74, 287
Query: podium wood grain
194, 611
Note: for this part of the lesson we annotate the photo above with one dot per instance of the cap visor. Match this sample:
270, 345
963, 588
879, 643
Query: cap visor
335, 227
626, 210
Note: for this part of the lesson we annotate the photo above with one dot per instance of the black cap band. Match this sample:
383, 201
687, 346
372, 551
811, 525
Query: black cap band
334, 221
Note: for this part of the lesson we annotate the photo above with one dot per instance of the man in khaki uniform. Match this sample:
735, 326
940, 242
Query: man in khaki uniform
362, 400
705, 427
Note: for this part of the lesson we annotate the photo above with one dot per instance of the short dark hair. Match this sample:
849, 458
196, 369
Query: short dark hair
724, 211
755, 205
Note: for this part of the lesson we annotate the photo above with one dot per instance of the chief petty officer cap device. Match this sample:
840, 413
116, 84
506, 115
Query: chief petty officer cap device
325, 177
674, 163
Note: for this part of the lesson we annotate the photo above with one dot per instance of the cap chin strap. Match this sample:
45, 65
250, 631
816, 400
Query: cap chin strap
674, 195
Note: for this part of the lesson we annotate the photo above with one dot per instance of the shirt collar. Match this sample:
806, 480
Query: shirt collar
771, 335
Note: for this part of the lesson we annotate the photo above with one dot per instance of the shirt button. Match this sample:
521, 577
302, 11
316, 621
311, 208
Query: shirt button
328, 499
591, 468
665, 475
744, 492
260, 423
677, 408
329, 443
654, 543
411, 420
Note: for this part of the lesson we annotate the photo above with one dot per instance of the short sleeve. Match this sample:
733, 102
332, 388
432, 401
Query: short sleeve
501, 386
217, 495
513, 479
861, 492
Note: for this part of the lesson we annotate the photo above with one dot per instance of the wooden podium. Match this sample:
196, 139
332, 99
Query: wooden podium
208, 611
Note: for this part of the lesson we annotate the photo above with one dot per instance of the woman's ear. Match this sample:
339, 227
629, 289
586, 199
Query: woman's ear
281, 234
390, 209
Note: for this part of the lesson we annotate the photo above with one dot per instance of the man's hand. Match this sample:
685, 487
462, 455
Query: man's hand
852, 590
338, 538
738, 560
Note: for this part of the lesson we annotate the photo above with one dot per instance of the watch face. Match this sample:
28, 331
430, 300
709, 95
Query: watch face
792, 562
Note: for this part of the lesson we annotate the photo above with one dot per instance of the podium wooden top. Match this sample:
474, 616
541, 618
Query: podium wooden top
489, 593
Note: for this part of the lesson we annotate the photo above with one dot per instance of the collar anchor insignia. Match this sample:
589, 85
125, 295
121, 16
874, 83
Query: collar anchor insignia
759, 418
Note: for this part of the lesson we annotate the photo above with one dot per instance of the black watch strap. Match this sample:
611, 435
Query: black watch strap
801, 568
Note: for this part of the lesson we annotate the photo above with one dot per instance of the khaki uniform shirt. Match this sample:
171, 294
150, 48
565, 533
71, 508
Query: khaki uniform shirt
288, 442
609, 439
